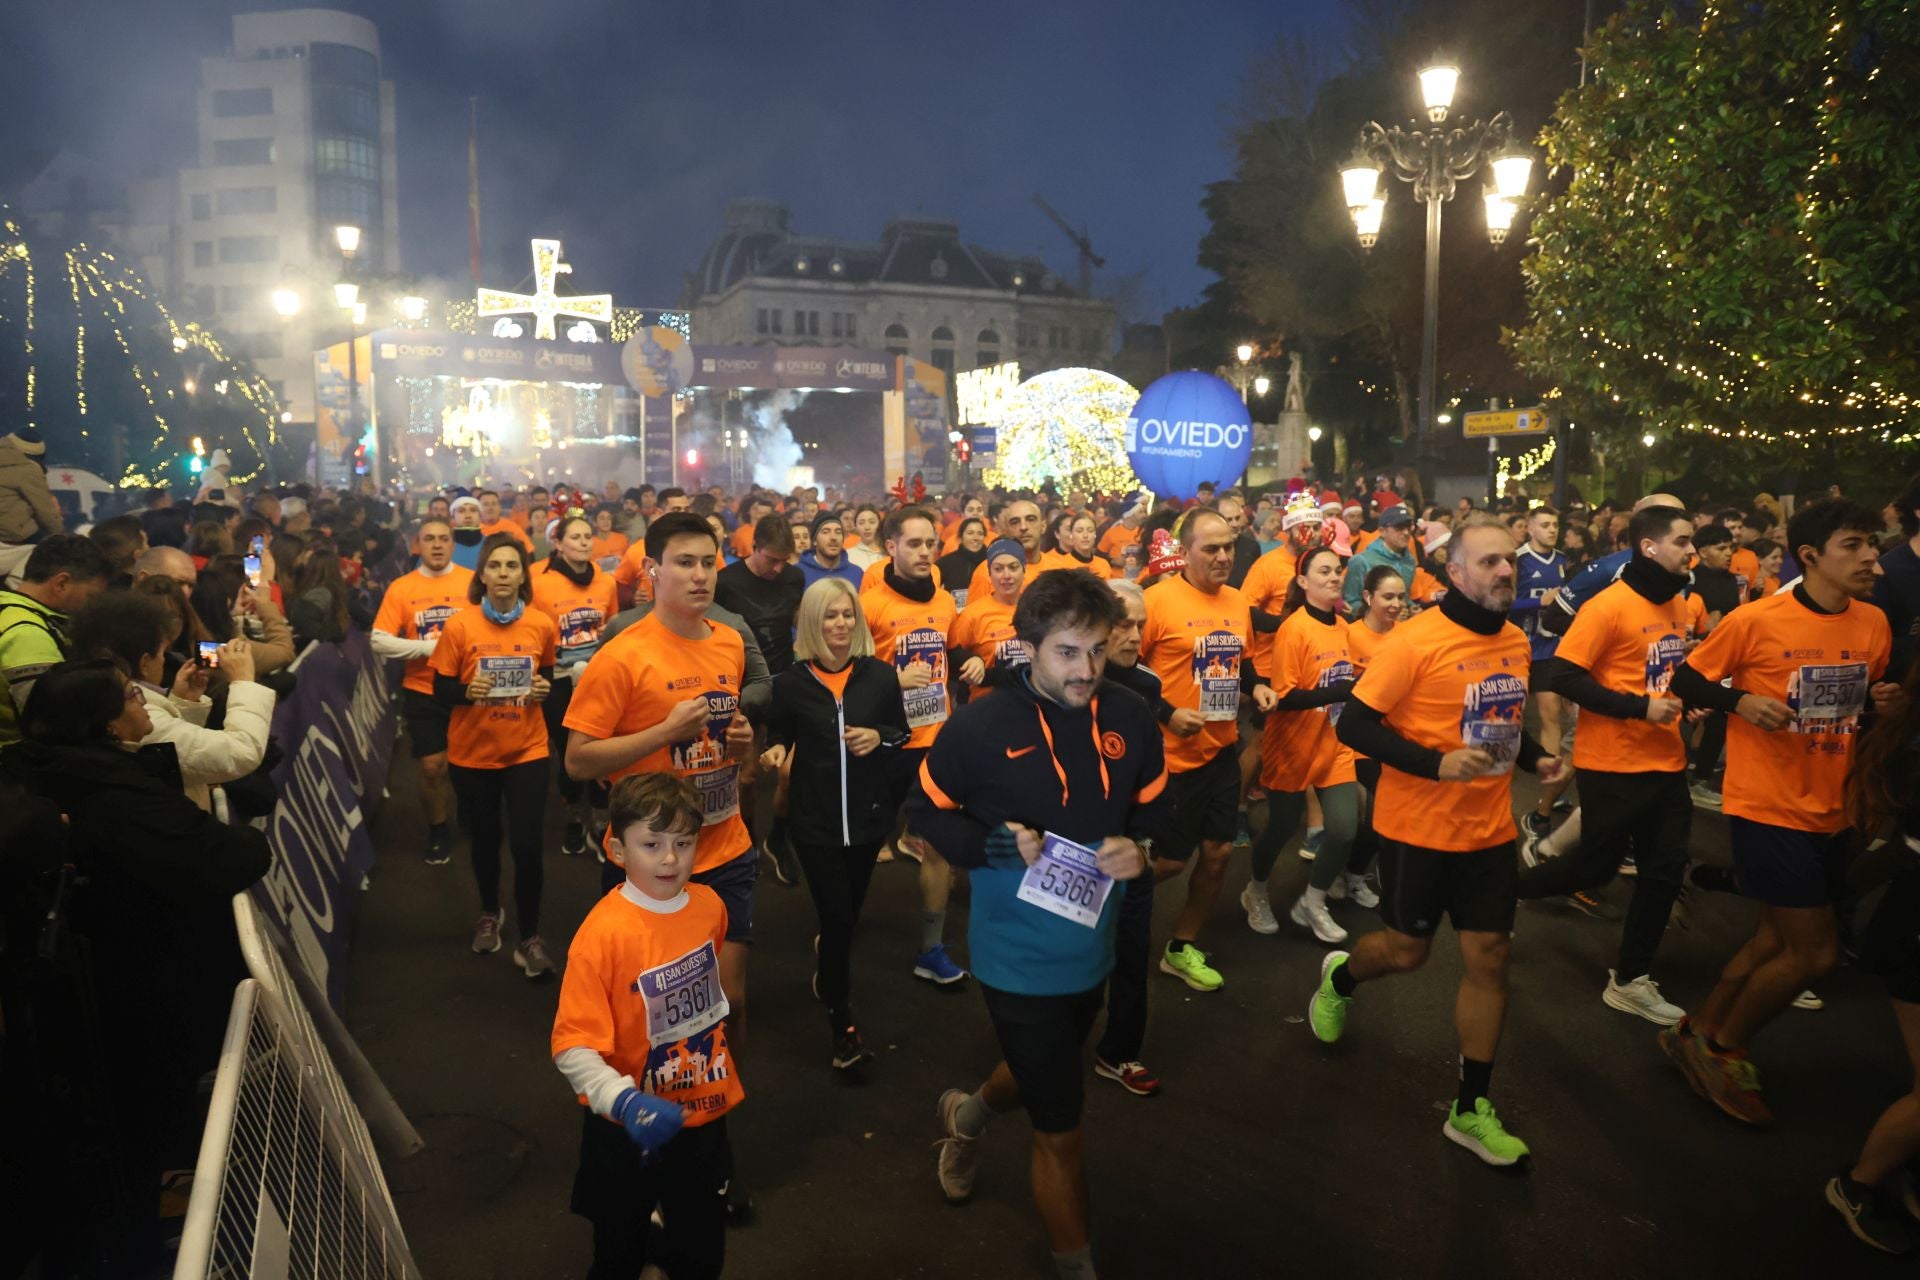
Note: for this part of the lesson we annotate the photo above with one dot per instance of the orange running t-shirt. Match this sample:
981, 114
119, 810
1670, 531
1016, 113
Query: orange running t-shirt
610, 546
634, 683
1299, 749
905, 632
1265, 588
1628, 644
1114, 542
1363, 642
1425, 589
742, 541
416, 607
496, 733
633, 574
1442, 686
581, 613
981, 584
1822, 666
642, 989
836, 681
1195, 642
1097, 566
985, 629
504, 525
1362, 539
1746, 567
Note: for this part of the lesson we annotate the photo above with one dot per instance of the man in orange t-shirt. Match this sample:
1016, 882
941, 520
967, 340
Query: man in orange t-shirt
412, 612
1617, 662
631, 580
1802, 670
492, 521
1442, 707
1195, 639
911, 617
663, 696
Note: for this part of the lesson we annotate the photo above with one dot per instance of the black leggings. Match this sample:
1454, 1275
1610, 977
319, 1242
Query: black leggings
837, 876
555, 711
524, 789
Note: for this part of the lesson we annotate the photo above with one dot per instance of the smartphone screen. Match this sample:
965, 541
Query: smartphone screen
252, 563
209, 653
259, 545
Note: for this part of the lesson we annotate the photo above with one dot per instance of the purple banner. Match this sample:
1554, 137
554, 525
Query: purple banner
794, 368
336, 733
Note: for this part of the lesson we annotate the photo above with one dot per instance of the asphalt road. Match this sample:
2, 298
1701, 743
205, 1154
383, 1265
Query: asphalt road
1267, 1154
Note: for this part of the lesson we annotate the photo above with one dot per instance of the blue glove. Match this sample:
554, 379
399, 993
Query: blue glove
650, 1122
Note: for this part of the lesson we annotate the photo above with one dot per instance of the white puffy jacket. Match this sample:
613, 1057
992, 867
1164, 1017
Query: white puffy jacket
209, 757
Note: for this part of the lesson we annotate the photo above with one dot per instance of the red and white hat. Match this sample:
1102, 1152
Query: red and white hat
1301, 509
1164, 554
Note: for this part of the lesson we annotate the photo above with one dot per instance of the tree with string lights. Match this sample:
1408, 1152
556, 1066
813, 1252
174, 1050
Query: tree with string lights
1733, 253
115, 382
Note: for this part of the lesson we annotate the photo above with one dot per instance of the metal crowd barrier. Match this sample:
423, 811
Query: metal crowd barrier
281, 1188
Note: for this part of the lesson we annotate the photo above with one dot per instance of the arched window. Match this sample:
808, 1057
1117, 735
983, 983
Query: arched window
986, 348
943, 348
896, 339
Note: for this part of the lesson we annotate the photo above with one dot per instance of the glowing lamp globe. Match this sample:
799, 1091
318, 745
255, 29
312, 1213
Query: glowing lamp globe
1067, 425
1189, 429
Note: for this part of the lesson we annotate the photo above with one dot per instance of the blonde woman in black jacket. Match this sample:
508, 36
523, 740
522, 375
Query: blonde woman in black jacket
837, 713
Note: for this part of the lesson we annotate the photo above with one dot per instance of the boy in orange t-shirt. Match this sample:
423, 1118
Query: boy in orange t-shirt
1802, 670
641, 1036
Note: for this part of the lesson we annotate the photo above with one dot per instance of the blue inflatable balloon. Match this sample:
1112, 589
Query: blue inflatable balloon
1187, 429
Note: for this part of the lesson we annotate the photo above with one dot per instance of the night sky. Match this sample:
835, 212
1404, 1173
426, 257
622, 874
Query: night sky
624, 126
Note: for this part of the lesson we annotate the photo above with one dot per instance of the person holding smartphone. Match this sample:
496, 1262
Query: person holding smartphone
492, 669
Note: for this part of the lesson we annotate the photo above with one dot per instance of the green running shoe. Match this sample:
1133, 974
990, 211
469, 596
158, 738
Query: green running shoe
1189, 964
1327, 1011
1482, 1134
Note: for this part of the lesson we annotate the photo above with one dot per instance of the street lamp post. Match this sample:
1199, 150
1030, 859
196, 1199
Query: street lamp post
1434, 161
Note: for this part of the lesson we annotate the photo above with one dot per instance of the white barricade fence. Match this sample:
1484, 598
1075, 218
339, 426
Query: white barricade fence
285, 1186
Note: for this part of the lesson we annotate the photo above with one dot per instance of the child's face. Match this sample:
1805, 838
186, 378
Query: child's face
657, 863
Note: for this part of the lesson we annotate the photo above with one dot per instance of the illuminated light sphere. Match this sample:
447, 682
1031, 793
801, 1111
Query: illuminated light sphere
1067, 425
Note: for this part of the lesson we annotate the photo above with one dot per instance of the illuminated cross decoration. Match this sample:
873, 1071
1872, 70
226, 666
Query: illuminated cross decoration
543, 302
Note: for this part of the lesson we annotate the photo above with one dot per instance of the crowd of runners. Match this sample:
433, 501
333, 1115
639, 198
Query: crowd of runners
1077, 703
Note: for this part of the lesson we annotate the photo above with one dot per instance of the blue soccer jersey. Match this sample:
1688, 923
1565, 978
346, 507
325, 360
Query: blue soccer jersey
1534, 576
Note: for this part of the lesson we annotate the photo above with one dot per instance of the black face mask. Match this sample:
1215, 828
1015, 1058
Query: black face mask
468, 537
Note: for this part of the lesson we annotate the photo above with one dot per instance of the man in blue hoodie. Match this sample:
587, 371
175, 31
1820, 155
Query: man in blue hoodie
826, 559
1048, 791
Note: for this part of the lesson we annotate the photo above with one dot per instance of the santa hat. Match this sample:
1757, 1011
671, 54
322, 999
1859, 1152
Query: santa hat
1437, 535
1341, 538
1164, 554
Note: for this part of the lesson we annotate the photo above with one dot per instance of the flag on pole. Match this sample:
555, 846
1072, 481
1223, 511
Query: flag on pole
473, 187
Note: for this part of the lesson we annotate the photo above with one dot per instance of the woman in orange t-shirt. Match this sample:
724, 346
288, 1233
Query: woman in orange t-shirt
492, 668
1079, 537
572, 590
1311, 669
1383, 600
609, 544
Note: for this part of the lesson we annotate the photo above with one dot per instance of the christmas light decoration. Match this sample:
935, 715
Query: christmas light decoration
543, 302
1067, 425
1526, 466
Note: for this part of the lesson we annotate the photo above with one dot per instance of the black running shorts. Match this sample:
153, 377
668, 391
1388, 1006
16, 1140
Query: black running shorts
1201, 805
426, 724
1043, 1039
1475, 890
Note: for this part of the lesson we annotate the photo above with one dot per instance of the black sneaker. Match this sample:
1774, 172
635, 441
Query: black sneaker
573, 841
739, 1203
437, 853
1537, 827
848, 1050
786, 866
1868, 1217
1588, 905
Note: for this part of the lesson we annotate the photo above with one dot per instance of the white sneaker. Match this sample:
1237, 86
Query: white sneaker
1359, 890
1318, 919
957, 1154
1337, 891
1259, 908
1642, 998
1531, 854
1808, 1000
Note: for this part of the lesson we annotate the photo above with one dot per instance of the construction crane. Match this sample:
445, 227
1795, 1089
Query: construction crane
1088, 258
